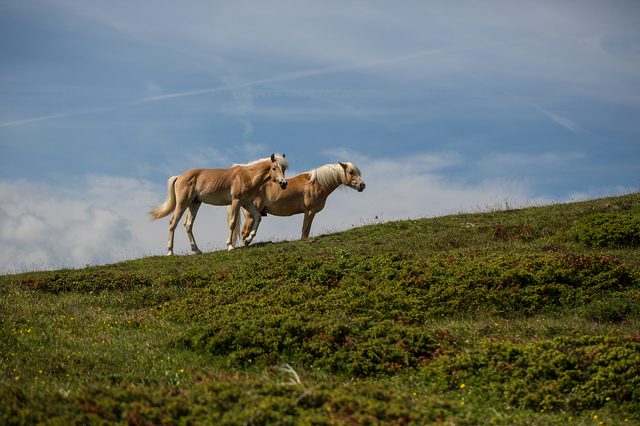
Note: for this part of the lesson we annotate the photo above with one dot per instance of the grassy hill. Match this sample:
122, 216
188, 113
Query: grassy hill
518, 317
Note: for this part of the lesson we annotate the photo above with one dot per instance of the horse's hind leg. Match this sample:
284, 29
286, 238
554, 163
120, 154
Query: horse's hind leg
177, 214
188, 224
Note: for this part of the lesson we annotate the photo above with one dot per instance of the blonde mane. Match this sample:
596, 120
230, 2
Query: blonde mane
330, 174
280, 160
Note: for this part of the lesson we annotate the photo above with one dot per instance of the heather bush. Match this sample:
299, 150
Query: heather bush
396, 286
565, 373
608, 230
355, 347
230, 400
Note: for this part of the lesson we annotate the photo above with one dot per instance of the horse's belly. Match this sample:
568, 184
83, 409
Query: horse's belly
284, 209
215, 199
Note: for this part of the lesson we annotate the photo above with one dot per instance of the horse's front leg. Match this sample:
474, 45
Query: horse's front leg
255, 215
233, 218
306, 223
248, 224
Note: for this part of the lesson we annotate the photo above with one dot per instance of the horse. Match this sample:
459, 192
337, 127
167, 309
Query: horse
307, 193
234, 187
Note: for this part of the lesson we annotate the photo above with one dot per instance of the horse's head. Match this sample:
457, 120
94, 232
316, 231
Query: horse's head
352, 177
278, 166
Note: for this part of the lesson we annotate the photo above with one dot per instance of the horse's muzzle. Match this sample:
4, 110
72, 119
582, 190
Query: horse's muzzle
360, 186
283, 184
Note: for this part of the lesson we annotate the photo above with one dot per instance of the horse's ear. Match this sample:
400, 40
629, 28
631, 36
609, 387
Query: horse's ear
344, 166
283, 155
273, 158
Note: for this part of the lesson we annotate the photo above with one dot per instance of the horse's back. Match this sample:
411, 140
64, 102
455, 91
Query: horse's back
210, 186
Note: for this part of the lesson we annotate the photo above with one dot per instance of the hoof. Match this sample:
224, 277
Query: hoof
229, 248
196, 250
170, 253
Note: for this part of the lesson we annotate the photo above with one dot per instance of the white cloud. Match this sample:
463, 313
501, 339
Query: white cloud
95, 220
25, 229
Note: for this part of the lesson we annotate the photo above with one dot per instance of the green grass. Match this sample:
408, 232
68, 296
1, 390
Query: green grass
527, 316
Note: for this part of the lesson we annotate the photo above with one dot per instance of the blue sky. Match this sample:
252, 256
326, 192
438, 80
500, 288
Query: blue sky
444, 106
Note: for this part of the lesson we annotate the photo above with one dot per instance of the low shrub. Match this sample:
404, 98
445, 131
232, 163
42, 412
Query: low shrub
564, 373
611, 229
612, 310
228, 400
394, 286
355, 347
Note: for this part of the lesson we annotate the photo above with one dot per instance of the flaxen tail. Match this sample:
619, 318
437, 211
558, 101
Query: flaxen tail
236, 236
169, 205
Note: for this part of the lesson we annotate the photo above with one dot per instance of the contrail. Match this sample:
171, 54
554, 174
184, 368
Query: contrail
50, 117
285, 77
274, 79
564, 122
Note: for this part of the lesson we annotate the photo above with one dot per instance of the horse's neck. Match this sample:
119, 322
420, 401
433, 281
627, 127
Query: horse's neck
260, 173
326, 189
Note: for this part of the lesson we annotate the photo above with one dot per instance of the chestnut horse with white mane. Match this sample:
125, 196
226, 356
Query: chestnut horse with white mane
234, 187
307, 193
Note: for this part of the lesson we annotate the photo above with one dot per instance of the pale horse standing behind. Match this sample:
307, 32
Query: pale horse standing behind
307, 193
234, 187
